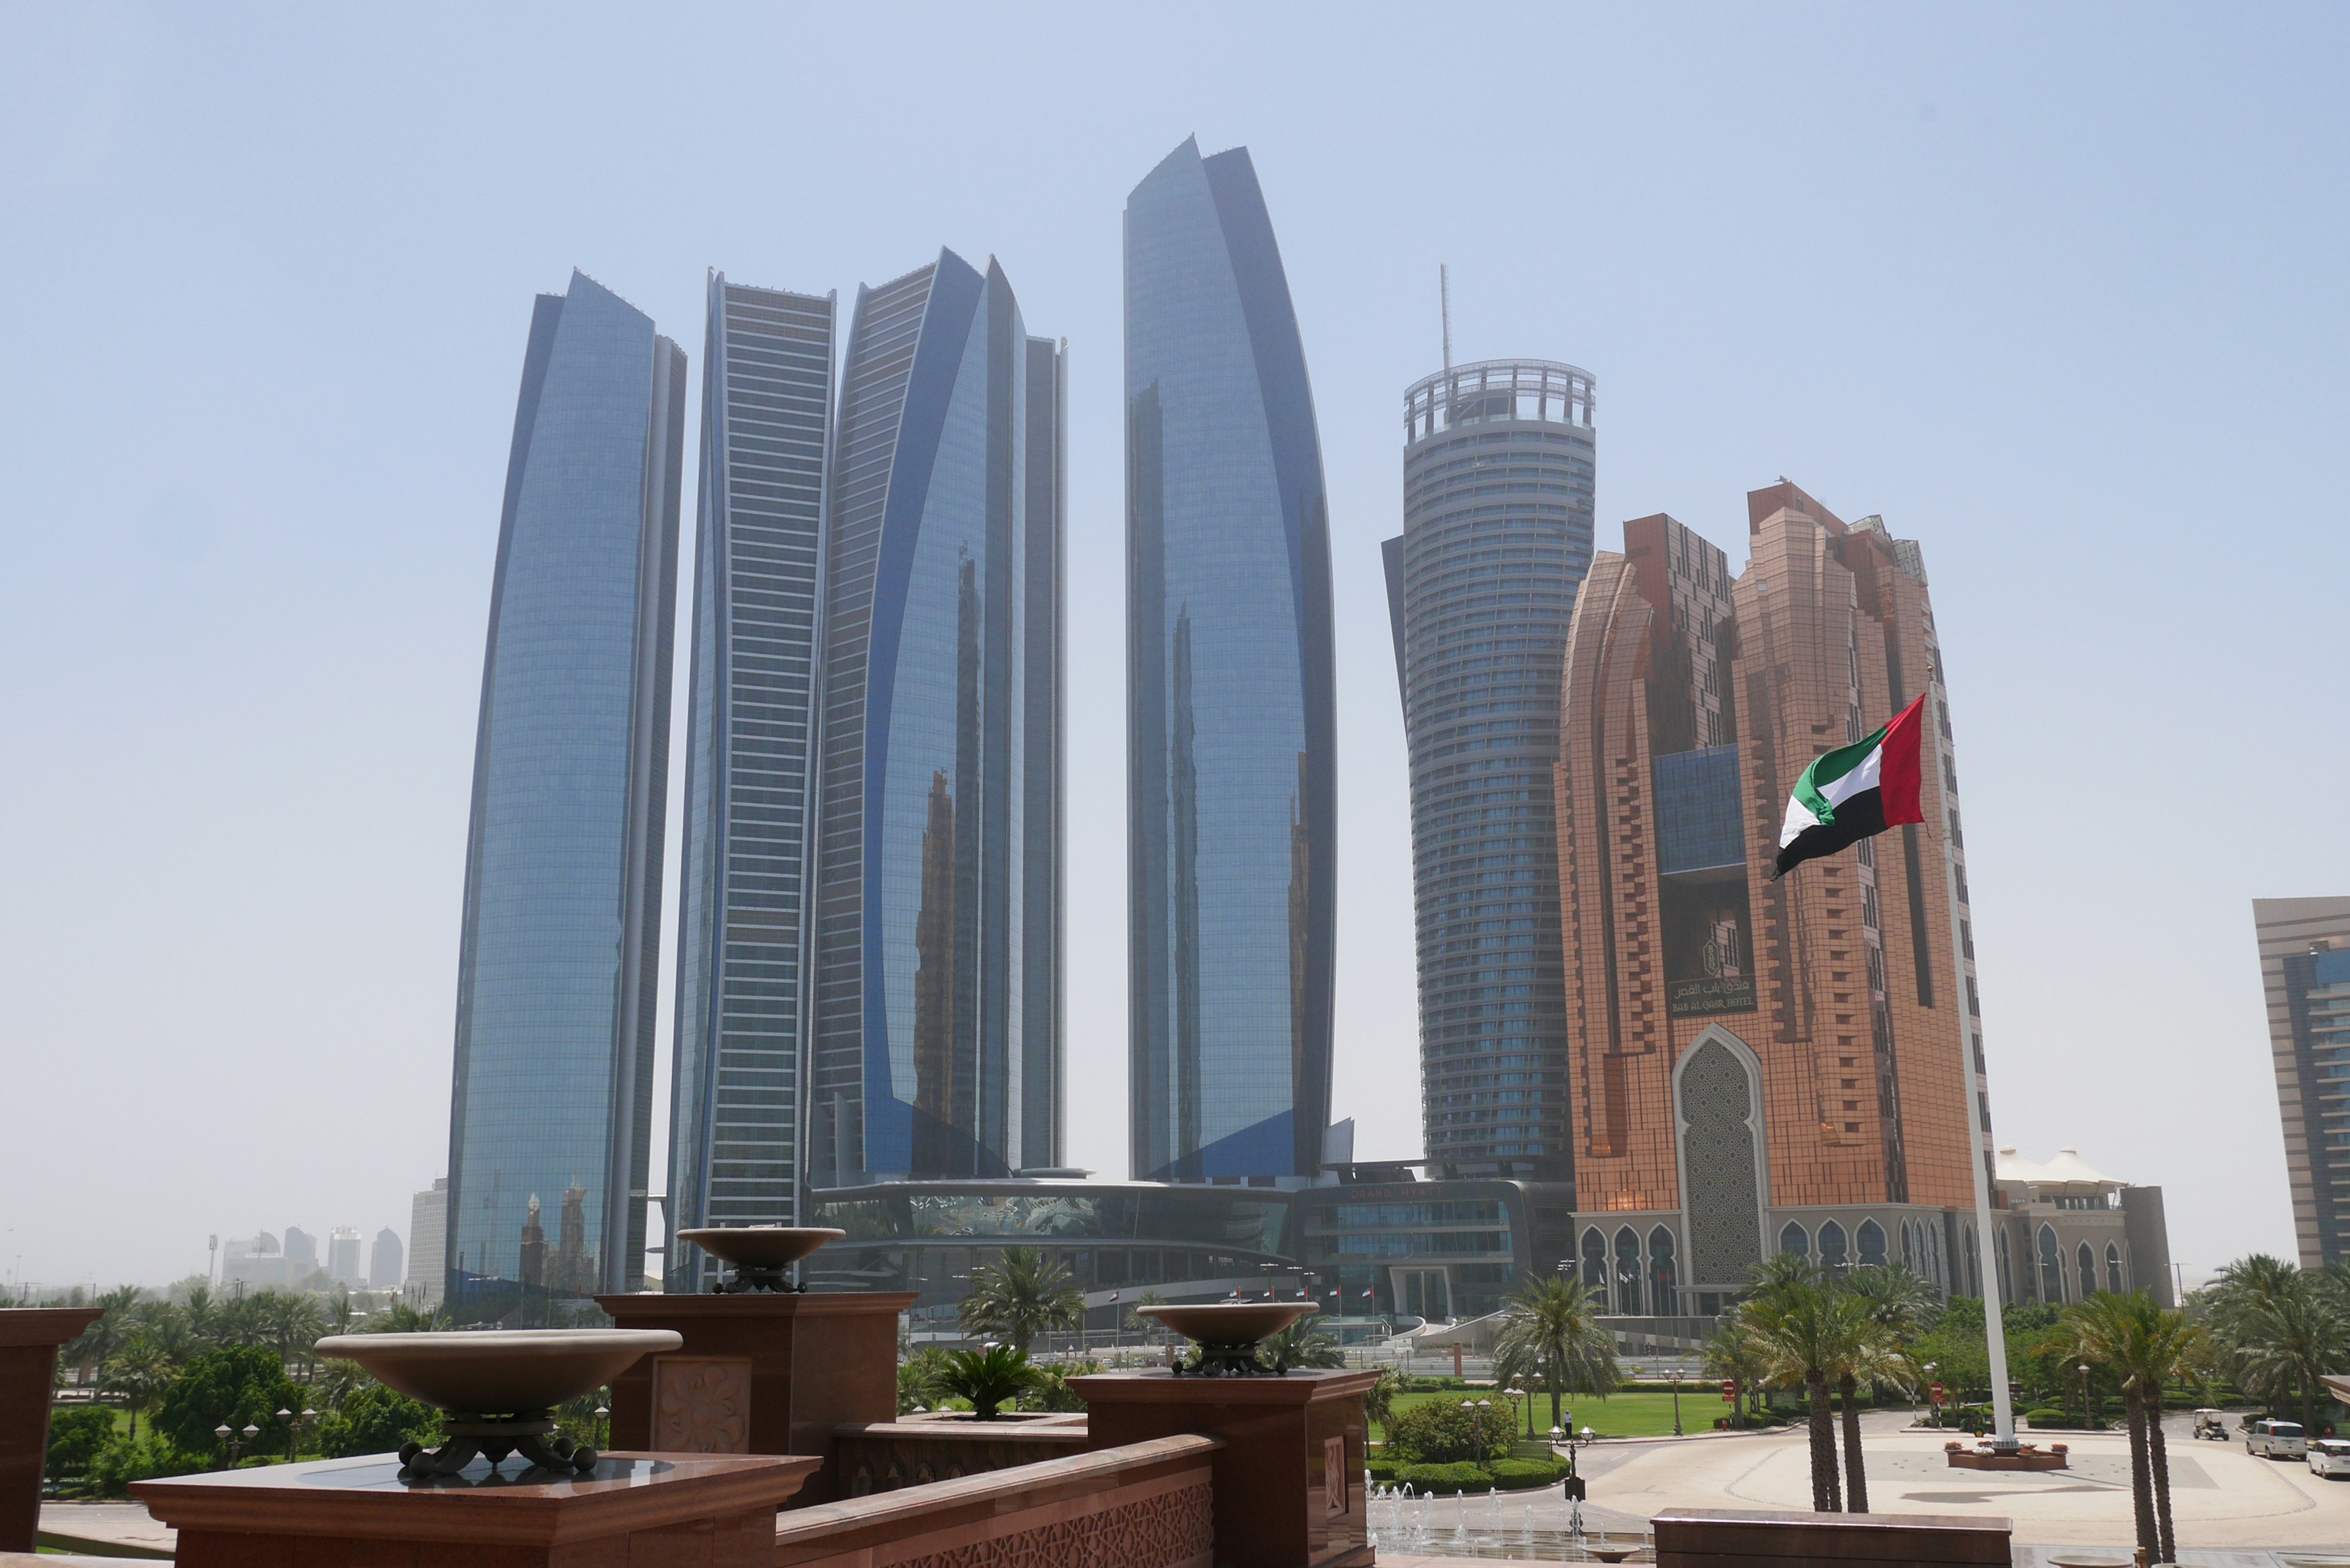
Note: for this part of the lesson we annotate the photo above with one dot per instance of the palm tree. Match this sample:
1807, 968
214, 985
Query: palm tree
988, 1377
1379, 1403
1025, 1295
1735, 1356
1551, 1328
1809, 1331
139, 1373
2146, 1346
2284, 1344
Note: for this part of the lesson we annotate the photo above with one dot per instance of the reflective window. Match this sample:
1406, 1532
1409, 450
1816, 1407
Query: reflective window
1872, 1243
2113, 1268
2087, 1261
1664, 1283
1795, 1238
1594, 1266
1832, 1248
2052, 1268
1628, 1272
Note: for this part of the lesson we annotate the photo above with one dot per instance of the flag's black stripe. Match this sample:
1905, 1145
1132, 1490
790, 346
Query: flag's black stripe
1861, 816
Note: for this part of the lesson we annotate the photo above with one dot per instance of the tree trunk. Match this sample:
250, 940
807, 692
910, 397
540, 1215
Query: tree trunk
1855, 1480
2158, 1458
2141, 1480
1825, 1495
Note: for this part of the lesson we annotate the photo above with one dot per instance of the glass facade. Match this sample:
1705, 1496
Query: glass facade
550, 1122
734, 1127
1498, 474
924, 1053
1232, 804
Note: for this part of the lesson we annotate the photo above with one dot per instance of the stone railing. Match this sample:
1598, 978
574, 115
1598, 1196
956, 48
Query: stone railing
1707, 1538
1145, 1505
885, 1456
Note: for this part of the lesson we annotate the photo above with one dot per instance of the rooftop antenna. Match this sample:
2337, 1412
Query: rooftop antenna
1444, 293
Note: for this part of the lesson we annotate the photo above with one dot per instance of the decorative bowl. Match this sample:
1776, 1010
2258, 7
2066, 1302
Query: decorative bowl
761, 1247
499, 1374
1229, 1325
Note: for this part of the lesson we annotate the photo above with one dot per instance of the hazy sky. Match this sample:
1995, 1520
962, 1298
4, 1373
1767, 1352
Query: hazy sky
2059, 291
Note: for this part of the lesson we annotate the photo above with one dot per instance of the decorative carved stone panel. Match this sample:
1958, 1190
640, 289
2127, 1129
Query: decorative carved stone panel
1720, 1103
702, 1404
1169, 1530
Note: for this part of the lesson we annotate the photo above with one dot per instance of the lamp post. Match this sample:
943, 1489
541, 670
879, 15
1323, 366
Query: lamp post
1674, 1377
1483, 1405
1933, 1405
292, 1428
603, 1432
2084, 1397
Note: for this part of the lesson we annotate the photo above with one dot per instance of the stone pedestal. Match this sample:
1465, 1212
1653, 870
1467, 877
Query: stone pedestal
29, 1338
1288, 1479
759, 1374
675, 1511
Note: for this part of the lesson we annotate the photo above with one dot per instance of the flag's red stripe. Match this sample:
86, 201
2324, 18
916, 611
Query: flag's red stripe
1897, 773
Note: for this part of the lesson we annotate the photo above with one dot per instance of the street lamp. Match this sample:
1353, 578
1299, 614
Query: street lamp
293, 1427
2084, 1397
1674, 1377
603, 1413
1932, 1404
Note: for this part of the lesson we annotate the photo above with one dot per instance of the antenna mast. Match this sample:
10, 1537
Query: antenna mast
1444, 293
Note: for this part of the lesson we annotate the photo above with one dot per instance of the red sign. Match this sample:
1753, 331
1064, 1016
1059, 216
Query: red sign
1729, 1390
1938, 1393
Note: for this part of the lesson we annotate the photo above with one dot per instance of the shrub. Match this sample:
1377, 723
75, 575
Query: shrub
2043, 1419
1442, 1431
75, 1438
989, 1378
1443, 1479
236, 1389
1515, 1475
1051, 1390
1380, 1469
375, 1420
124, 1460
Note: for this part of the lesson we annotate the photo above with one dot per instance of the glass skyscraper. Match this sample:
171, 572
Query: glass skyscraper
1497, 498
557, 966
735, 1139
1232, 813
936, 1044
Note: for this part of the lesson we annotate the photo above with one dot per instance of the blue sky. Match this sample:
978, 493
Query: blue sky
2056, 290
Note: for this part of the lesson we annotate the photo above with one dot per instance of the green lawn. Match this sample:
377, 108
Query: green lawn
1640, 1415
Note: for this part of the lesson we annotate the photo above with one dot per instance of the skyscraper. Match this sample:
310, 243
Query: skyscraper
386, 1260
559, 952
2305, 946
735, 1142
938, 819
1497, 477
427, 1236
343, 1265
1758, 1067
1231, 806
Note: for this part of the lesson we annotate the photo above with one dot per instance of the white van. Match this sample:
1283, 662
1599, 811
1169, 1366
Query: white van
2275, 1439
2329, 1457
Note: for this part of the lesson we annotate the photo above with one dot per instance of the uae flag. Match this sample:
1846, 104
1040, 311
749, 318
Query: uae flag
1855, 792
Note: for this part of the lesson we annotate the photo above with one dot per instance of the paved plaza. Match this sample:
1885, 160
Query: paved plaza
2230, 1507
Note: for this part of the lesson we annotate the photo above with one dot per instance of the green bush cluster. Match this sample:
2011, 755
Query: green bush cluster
1445, 1431
375, 1420
123, 1461
236, 1389
75, 1438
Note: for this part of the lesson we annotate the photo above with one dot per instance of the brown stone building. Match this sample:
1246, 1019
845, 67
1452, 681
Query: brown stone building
1756, 1066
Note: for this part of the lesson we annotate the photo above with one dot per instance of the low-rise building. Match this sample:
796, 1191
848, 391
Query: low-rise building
2067, 1230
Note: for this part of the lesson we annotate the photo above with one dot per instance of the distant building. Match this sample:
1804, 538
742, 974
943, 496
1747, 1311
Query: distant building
2078, 1232
256, 1262
2304, 947
1230, 732
558, 955
1497, 498
343, 1257
301, 1254
384, 1261
1759, 1066
428, 1235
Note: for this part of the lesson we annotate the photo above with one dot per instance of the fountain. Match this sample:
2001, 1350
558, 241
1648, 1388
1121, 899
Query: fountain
497, 1392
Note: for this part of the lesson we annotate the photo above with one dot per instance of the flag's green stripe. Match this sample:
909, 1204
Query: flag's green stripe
1830, 766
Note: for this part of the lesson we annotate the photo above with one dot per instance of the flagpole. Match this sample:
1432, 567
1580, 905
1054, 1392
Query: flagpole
2002, 1403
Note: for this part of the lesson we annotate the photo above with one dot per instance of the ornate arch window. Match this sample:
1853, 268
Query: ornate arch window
1934, 1268
2052, 1268
2086, 1259
1796, 1240
1974, 1281
1908, 1251
1871, 1236
1628, 1272
2113, 1268
2006, 1271
1594, 1266
1833, 1255
1664, 1279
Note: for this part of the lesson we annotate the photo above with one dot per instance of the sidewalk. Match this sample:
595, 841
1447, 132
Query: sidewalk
117, 1530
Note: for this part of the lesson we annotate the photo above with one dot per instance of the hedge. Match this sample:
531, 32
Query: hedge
1516, 1475
1440, 1479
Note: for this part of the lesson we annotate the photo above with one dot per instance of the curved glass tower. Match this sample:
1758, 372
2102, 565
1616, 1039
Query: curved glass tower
560, 950
1497, 481
938, 729
1232, 812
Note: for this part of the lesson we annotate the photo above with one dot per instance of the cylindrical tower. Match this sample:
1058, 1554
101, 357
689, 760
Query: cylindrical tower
1497, 478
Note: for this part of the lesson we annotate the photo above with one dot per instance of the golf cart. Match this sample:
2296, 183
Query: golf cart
2212, 1424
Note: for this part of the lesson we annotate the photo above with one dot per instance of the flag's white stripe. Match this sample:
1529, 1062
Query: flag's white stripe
1861, 780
